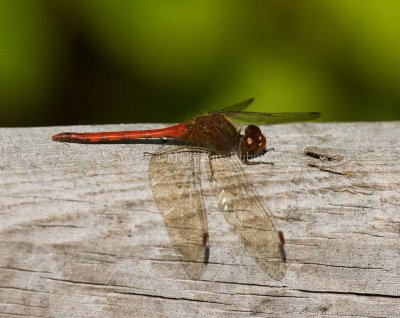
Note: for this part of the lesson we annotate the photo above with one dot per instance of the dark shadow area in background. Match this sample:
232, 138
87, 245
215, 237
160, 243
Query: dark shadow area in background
90, 88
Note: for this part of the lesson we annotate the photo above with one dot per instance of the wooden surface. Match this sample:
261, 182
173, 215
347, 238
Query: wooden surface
80, 234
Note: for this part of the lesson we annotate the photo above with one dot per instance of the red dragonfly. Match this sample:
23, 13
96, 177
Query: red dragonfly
174, 174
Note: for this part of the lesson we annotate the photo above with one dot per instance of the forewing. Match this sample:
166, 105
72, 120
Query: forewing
174, 175
269, 118
246, 215
237, 107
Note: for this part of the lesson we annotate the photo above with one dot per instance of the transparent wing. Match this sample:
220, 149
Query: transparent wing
174, 174
246, 215
269, 118
238, 106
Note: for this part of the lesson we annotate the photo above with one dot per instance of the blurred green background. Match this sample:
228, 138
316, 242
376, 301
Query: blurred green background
102, 61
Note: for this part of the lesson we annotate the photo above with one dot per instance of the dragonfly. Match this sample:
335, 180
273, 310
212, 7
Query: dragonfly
175, 178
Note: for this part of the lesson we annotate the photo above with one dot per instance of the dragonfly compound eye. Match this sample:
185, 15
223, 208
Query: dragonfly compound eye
252, 129
253, 142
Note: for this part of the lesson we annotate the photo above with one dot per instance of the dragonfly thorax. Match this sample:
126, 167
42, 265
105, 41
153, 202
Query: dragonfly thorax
253, 142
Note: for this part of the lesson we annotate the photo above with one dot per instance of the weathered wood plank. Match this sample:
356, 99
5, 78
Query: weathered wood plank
80, 234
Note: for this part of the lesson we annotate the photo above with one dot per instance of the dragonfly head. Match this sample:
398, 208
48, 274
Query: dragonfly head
253, 142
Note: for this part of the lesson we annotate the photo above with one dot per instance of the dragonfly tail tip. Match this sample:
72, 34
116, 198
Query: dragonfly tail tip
61, 137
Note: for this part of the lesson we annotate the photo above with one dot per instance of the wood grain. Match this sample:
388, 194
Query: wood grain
80, 234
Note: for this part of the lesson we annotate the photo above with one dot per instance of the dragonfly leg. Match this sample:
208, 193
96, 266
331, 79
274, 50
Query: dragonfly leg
146, 153
212, 156
252, 163
245, 159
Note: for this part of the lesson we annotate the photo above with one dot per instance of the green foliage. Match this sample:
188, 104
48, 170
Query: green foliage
132, 61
